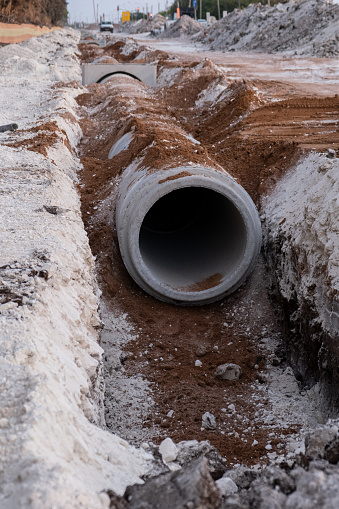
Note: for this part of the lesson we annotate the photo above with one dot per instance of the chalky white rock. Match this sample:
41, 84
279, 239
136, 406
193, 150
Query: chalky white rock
168, 450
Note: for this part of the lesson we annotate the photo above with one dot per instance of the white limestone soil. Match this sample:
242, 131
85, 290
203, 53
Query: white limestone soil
54, 449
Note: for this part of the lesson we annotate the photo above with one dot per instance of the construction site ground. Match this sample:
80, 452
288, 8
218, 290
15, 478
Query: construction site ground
95, 373
255, 115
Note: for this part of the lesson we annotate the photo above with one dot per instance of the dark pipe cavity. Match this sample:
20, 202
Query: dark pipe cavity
191, 235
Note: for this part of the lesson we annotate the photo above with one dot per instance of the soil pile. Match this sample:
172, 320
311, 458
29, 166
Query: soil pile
306, 27
183, 27
312, 482
144, 25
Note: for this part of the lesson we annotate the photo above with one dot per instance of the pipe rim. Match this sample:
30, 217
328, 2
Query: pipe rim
143, 193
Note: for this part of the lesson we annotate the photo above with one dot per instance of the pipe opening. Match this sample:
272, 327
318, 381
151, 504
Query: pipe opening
192, 239
118, 74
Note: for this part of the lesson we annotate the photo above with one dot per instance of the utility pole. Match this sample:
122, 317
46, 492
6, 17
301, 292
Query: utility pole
200, 9
218, 3
94, 11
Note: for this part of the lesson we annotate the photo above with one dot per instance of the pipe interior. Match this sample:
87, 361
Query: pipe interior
192, 236
116, 75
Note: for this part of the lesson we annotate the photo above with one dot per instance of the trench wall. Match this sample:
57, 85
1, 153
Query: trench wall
301, 245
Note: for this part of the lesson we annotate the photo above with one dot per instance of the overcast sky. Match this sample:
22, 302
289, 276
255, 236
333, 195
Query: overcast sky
83, 10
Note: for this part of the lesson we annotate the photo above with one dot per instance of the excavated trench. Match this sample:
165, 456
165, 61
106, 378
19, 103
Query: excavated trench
161, 359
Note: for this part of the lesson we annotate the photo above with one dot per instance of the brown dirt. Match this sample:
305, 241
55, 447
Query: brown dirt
44, 136
90, 52
256, 140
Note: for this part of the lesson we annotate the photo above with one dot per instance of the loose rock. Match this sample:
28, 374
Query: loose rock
226, 486
192, 449
208, 421
228, 371
168, 450
189, 488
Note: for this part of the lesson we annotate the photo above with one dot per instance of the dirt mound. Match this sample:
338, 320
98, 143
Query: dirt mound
306, 27
122, 51
144, 25
185, 26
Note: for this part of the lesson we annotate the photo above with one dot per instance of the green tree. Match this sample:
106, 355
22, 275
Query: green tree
57, 11
40, 12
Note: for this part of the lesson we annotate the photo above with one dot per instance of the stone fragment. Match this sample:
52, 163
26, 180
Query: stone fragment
106, 501
192, 449
331, 154
226, 486
168, 450
189, 488
7, 306
315, 489
332, 452
265, 497
242, 476
201, 351
8, 127
53, 209
319, 441
322, 168
275, 476
116, 501
228, 371
157, 466
46, 271
208, 421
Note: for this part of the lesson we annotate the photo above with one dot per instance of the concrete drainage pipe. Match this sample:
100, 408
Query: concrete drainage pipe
187, 235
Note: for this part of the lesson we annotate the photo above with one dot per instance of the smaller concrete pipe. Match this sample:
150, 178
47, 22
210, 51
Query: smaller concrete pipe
187, 235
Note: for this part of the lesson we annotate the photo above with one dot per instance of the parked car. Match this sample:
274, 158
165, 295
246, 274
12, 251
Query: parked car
106, 26
202, 21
